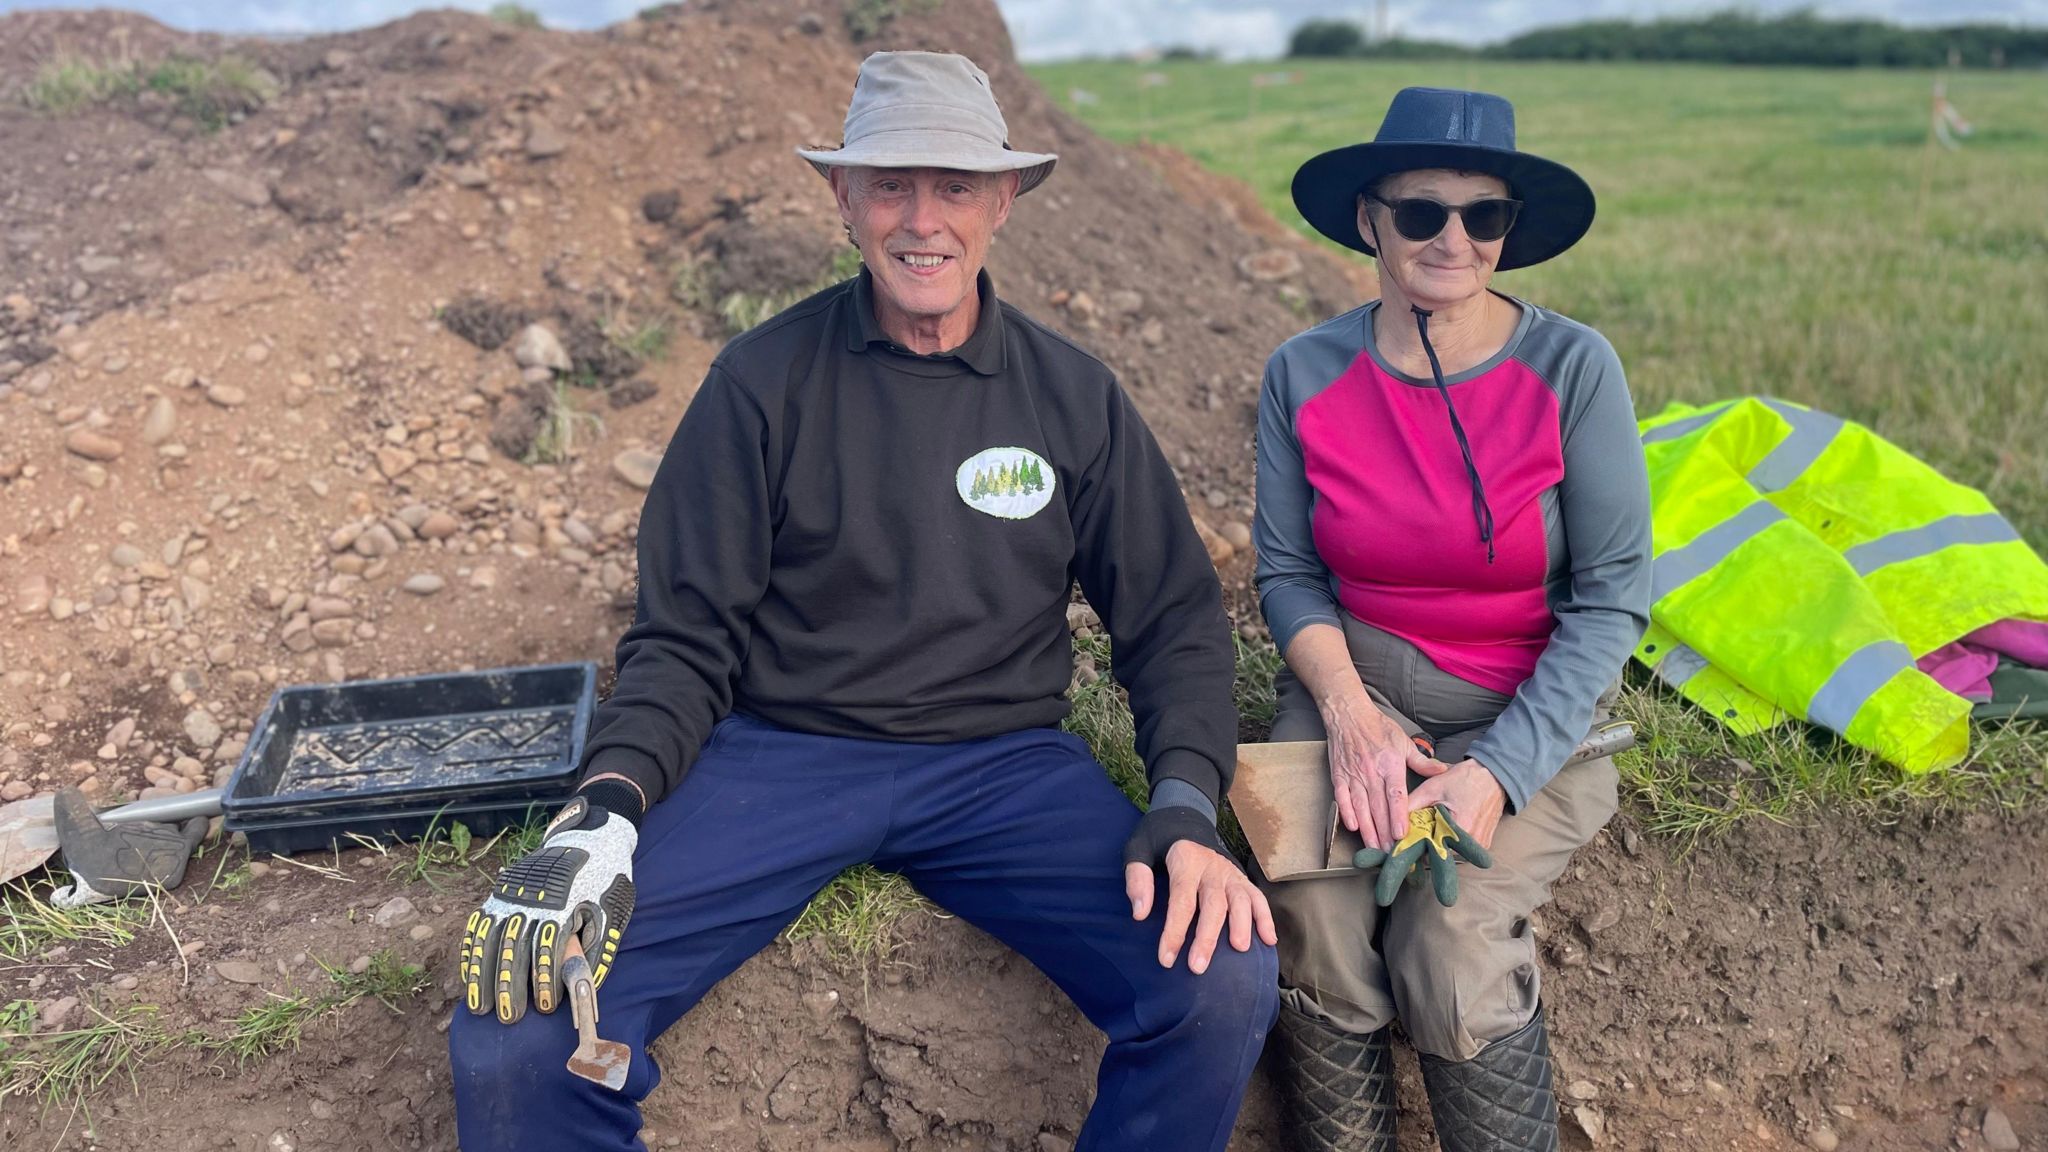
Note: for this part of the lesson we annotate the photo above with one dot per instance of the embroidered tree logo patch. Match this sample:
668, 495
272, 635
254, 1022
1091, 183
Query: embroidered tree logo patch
1013, 483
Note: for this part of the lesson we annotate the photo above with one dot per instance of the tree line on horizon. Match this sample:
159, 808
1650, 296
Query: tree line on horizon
1731, 37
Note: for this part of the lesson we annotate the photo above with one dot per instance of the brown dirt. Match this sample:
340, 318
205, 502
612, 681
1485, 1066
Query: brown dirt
331, 436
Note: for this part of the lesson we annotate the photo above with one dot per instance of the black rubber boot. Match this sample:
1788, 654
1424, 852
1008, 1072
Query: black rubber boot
1498, 1101
1336, 1087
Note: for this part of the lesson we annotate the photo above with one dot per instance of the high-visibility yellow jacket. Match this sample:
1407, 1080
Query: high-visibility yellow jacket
1802, 564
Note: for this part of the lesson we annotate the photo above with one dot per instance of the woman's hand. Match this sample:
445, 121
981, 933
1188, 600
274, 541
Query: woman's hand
1370, 757
1469, 790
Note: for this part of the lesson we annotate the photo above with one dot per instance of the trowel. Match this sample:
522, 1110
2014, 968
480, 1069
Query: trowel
28, 828
603, 1062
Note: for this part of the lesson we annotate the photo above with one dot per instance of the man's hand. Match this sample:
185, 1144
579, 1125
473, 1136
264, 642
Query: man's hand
1205, 887
580, 882
1370, 757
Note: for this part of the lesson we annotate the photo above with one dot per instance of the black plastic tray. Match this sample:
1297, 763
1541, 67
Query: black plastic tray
320, 833
357, 757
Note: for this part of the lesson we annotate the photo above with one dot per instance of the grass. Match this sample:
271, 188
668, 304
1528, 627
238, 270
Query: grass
389, 980
644, 340
445, 849
450, 849
1690, 779
517, 15
211, 92
743, 310
234, 879
1258, 662
280, 1021
564, 426
67, 83
690, 284
1100, 715
856, 915
30, 925
273, 1026
224, 879
72, 1064
867, 19
517, 842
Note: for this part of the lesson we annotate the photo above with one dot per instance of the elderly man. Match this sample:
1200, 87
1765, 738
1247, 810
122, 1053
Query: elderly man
851, 645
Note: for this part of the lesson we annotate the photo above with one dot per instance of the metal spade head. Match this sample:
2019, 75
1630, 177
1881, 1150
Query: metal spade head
28, 835
603, 1062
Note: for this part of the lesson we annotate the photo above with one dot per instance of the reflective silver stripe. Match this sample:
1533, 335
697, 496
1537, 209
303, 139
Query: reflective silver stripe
1929, 538
1679, 665
1685, 427
1857, 680
1676, 567
1811, 434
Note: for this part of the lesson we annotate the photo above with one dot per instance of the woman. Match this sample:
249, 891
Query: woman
1453, 538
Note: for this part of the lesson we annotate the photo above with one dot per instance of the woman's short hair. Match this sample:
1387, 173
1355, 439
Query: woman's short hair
1377, 188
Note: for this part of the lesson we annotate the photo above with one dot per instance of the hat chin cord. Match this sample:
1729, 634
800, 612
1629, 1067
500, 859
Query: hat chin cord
1482, 512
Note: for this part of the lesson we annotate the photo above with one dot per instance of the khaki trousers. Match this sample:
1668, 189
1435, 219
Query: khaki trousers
1457, 977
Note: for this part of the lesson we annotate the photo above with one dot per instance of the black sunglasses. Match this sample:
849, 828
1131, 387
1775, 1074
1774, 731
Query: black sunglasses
1419, 219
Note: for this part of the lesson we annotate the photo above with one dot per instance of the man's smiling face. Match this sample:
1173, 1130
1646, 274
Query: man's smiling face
924, 233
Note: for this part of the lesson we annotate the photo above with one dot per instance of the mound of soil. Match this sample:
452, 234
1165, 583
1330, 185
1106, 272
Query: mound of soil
261, 422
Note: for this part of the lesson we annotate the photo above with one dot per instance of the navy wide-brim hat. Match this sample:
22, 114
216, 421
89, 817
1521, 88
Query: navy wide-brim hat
1447, 128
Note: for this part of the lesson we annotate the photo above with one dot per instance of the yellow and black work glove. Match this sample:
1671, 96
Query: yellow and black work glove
1432, 838
580, 880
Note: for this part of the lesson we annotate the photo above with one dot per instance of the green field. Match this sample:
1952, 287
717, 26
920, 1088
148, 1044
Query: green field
1760, 231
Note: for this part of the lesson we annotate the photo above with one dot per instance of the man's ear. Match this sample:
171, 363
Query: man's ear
1006, 196
842, 193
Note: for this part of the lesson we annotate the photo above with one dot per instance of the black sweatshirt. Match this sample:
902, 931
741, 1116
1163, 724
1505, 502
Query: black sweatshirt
850, 539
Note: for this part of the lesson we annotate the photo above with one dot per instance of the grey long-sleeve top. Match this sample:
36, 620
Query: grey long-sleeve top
1364, 505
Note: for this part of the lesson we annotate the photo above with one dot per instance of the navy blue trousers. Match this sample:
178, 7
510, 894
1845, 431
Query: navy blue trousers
1021, 835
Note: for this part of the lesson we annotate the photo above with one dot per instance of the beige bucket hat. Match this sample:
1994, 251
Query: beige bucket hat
928, 110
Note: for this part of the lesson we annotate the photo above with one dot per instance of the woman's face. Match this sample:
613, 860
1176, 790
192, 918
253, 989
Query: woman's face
1447, 268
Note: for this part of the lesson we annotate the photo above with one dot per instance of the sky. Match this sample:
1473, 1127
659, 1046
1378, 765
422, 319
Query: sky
1058, 29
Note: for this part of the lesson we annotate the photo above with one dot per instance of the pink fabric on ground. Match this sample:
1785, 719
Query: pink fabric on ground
2024, 640
1963, 668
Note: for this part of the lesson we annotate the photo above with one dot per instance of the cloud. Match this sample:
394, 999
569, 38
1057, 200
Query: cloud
1056, 29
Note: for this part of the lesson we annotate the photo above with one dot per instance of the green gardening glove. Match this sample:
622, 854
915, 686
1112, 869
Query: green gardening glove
1431, 840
